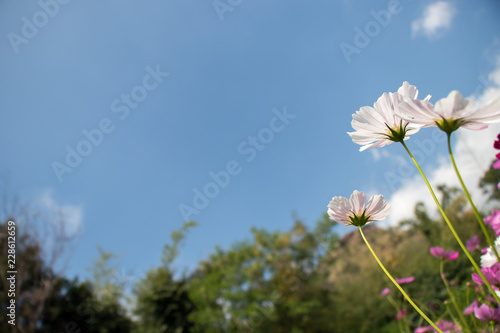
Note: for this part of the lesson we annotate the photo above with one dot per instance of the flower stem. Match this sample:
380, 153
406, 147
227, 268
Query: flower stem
450, 226
405, 328
452, 296
468, 302
467, 194
397, 284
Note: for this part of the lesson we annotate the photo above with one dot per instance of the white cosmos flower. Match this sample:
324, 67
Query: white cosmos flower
489, 258
355, 211
450, 113
379, 125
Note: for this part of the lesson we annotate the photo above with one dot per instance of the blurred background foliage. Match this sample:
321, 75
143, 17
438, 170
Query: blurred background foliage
304, 280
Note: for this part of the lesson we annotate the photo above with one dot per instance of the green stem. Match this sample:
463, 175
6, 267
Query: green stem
397, 284
452, 296
467, 194
468, 302
403, 327
450, 226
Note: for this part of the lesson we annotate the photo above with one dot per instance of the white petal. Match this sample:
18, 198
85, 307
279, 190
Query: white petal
377, 208
409, 91
358, 202
454, 106
418, 112
338, 210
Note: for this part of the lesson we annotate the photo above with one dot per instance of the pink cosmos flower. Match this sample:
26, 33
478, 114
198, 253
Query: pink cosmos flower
496, 144
450, 113
401, 314
494, 221
492, 275
447, 326
409, 279
385, 292
444, 325
439, 252
487, 314
355, 211
470, 309
473, 243
379, 125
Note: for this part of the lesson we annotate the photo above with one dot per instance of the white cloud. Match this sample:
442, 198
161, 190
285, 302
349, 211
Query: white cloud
70, 216
473, 153
379, 153
436, 19
495, 75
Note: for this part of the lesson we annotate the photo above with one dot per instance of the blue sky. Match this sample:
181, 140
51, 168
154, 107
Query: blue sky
173, 92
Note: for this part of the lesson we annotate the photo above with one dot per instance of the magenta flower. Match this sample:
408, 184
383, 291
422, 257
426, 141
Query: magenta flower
496, 145
494, 221
409, 279
492, 275
439, 252
401, 314
470, 309
448, 326
444, 325
473, 243
385, 292
487, 314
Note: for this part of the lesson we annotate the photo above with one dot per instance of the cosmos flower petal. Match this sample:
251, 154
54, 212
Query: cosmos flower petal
385, 292
470, 309
489, 258
408, 91
405, 280
487, 314
379, 207
418, 112
450, 113
488, 114
453, 106
358, 201
437, 251
379, 125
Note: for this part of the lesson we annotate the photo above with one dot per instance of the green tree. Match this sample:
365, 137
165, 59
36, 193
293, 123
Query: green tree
268, 284
489, 182
162, 302
70, 306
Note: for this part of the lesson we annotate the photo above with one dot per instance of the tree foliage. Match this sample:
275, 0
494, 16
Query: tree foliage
308, 279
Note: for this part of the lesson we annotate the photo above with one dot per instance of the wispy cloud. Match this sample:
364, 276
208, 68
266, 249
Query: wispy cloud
377, 154
69, 216
435, 20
